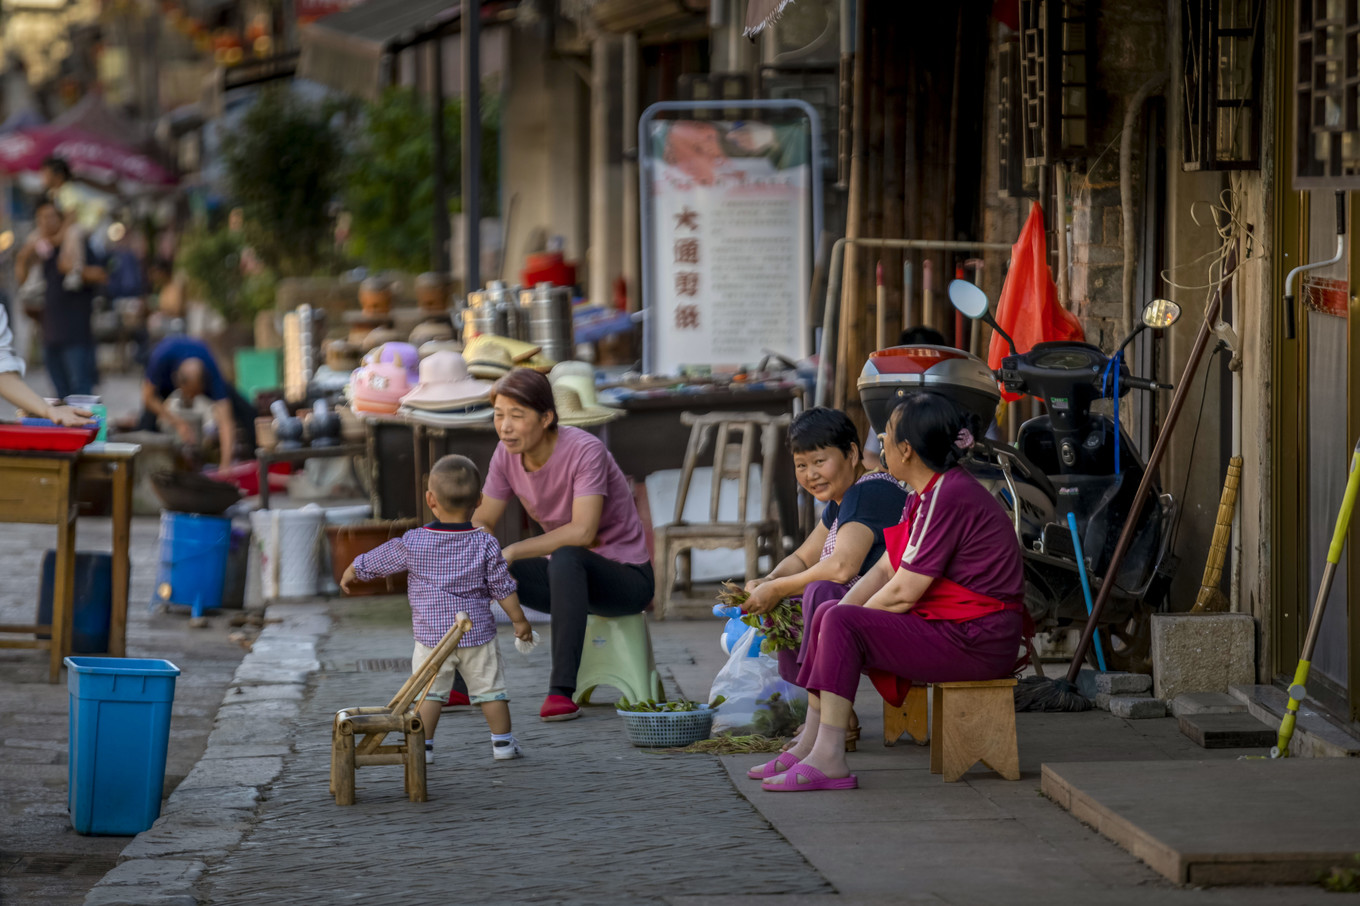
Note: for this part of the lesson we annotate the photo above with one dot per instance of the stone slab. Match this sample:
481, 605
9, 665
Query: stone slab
1117, 683
1201, 652
140, 872
1204, 703
1228, 731
1192, 823
1137, 707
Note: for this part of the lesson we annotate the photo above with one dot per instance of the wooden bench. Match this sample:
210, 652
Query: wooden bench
970, 722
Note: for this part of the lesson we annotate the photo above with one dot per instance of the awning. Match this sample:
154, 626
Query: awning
346, 51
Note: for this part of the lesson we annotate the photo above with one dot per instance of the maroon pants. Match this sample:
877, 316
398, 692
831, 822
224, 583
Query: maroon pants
814, 596
844, 641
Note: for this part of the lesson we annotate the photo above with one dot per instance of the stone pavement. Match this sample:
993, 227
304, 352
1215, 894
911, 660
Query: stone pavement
582, 818
586, 818
42, 860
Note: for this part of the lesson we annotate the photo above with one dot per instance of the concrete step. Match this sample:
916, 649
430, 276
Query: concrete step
1228, 731
1315, 736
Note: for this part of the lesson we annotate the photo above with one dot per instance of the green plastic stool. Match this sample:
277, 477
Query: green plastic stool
618, 653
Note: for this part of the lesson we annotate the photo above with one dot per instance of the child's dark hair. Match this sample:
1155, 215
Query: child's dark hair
815, 429
932, 424
457, 483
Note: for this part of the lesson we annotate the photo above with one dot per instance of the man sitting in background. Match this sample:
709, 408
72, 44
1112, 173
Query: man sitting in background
186, 365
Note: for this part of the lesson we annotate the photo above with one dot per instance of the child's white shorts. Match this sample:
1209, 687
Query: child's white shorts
481, 669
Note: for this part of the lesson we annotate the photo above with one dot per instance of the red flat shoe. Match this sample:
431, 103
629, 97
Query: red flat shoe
559, 707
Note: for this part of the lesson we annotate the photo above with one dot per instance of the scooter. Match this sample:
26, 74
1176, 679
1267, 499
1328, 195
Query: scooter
1069, 460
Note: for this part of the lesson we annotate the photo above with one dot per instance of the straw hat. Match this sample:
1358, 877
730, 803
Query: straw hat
377, 337
444, 384
518, 350
430, 348
580, 369
573, 411
488, 360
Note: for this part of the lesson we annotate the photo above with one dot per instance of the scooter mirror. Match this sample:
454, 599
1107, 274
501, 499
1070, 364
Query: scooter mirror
970, 300
1161, 313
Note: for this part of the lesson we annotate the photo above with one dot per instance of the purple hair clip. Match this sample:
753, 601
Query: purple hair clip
965, 439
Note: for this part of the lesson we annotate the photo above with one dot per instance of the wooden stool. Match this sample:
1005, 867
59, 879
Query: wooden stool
973, 722
910, 718
400, 716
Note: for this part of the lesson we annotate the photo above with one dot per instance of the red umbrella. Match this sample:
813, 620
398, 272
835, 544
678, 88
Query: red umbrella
94, 157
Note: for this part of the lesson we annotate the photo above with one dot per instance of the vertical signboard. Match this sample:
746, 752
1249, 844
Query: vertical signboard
729, 213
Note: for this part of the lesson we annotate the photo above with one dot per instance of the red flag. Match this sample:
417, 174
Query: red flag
1029, 310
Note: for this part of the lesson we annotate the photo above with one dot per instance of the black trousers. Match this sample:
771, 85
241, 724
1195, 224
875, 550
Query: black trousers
572, 583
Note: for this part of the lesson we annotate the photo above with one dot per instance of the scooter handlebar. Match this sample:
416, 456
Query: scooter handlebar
1138, 383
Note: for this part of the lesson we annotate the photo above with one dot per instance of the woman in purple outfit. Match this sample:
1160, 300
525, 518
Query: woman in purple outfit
944, 603
848, 539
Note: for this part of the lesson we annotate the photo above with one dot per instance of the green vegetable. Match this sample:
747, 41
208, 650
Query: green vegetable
651, 706
783, 626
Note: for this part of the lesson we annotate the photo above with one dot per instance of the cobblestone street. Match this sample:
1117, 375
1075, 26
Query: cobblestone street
583, 818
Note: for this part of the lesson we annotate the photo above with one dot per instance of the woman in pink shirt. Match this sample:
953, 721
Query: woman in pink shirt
945, 603
592, 556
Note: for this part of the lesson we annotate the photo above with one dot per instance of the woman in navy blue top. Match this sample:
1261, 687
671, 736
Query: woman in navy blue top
848, 540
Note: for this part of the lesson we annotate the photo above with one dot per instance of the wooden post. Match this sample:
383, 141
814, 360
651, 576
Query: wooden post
121, 473
415, 760
343, 768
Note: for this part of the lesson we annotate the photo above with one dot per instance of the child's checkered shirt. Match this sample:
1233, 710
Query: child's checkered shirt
450, 567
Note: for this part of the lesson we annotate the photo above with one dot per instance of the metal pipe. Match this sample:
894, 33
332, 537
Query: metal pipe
833, 283
1149, 474
440, 256
1126, 188
632, 267
1060, 195
1289, 279
908, 290
472, 144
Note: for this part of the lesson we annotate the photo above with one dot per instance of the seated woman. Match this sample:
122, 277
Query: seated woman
847, 541
945, 603
13, 388
593, 556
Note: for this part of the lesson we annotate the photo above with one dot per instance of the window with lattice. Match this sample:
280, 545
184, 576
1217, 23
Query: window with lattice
1327, 94
1221, 43
1055, 72
1016, 179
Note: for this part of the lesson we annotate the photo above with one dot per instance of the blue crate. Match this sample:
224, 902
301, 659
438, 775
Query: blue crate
119, 725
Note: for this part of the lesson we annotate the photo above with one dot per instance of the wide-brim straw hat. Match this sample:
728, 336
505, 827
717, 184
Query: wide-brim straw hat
488, 361
573, 413
445, 384
518, 350
572, 367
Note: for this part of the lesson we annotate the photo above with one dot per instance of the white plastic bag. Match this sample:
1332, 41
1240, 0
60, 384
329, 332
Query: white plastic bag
756, 700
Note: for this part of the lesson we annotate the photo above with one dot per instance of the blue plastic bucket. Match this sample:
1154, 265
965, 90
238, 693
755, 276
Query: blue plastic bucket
93, 610
193, 566
119, 722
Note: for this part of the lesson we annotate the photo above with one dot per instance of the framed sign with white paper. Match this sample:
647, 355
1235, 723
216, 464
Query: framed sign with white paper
729, 212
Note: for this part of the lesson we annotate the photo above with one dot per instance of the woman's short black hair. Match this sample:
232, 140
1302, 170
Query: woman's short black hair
931, 424
821, 427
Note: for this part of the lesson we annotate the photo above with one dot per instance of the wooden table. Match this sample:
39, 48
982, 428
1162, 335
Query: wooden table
39, 488
115, 463
648, 439
266, 458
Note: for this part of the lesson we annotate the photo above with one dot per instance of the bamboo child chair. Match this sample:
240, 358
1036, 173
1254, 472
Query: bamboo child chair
399, 716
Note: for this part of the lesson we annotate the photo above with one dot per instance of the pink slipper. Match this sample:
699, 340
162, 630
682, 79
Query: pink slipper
788, 782
782, 763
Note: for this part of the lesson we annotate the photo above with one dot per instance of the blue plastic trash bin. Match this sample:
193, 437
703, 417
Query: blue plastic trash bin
119, 723
93, 607
193, 564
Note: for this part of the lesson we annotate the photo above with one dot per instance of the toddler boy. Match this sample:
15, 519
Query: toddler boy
452, 566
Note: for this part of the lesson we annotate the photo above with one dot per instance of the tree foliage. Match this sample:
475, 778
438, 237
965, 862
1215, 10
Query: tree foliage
389, 181
284, 167
217, 263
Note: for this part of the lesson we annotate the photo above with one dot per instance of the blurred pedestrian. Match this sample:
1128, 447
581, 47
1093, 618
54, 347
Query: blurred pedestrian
68, 301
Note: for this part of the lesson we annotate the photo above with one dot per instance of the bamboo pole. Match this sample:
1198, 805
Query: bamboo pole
850, 290
1210, 599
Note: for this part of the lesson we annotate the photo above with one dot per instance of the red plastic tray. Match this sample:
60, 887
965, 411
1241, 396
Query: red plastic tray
50, 440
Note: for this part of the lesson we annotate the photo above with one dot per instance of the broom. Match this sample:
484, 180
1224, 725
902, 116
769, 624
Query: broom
1210, 599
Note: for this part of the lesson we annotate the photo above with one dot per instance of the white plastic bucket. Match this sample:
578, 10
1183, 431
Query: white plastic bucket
337, 515
290, 543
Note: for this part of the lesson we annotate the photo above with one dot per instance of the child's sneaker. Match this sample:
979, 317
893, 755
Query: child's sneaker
429, 753
505, 749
